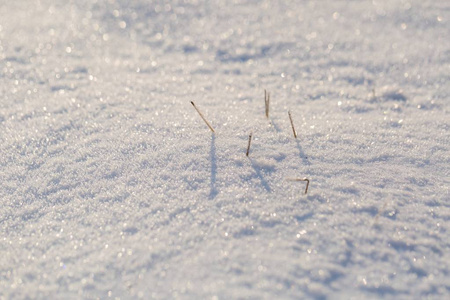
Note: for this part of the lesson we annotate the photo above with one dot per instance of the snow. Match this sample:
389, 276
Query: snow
113, 186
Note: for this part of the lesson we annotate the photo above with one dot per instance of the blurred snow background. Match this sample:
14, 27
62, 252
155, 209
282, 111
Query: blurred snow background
112, 186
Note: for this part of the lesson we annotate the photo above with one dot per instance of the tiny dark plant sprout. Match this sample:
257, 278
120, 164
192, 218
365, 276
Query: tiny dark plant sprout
301, 179
201, 115
249, 142
292, 124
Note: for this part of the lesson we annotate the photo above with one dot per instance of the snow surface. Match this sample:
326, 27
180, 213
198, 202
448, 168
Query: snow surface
112, 185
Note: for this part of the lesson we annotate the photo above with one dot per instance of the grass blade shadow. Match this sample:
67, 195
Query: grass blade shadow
257, 170
302, 153
212, 156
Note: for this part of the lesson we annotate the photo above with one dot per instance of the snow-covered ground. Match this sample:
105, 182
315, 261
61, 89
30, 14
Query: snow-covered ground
112, 186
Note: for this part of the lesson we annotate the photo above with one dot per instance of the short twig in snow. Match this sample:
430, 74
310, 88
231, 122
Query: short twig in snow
292, 124
249, 142
300, 179
201, 115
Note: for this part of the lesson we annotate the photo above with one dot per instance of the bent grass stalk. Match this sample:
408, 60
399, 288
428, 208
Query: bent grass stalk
301, 179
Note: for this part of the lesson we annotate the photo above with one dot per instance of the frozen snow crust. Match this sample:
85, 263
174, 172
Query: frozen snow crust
112, 185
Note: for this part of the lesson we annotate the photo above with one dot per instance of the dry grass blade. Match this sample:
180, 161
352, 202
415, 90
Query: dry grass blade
267, 102
201, 115
292, 124
249, 142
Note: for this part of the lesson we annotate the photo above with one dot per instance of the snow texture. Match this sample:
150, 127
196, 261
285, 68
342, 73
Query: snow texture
113, 186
